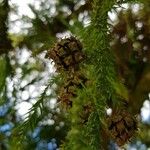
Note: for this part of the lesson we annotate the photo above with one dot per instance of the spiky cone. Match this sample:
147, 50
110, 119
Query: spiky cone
66, 54
122, 126
78, 79
66, 93
65, 99
84, 115
73, 82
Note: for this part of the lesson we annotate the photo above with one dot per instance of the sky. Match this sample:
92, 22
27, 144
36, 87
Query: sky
23, 6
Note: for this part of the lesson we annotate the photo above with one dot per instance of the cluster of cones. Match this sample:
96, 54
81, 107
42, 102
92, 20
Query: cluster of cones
67, 55
122, 126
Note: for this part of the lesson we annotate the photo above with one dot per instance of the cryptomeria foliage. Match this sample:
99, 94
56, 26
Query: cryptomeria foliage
102, 74
98, 68
101, 71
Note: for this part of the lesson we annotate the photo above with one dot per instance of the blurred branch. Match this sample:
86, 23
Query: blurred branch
5, 42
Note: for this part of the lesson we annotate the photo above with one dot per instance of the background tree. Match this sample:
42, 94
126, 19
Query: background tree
47, 121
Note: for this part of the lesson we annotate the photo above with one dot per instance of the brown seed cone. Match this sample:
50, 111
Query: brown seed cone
122, 127
87, 109
71, 84
65, 99
66, 54
78, 79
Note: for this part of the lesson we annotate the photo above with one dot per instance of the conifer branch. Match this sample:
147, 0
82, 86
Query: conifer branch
34, 116
101, 74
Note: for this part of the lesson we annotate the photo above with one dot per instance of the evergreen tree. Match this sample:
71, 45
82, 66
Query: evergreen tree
101, 66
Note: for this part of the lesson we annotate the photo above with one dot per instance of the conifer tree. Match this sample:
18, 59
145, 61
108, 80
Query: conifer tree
99, 67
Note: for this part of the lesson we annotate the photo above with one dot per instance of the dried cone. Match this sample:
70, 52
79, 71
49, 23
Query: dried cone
66, 54
122, 127
87, 109
68, 91
65, 99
